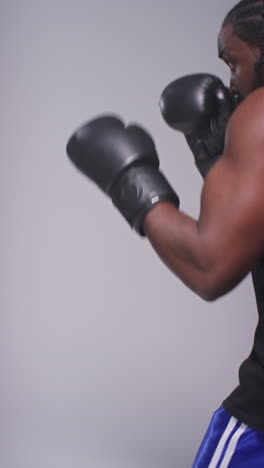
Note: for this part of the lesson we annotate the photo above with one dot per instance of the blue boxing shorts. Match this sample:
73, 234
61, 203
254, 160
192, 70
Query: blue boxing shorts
229, 443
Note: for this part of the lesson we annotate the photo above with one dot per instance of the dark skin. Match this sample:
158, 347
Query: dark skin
240, 58
213, 254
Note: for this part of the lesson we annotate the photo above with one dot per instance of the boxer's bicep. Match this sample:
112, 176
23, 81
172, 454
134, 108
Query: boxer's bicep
231, 224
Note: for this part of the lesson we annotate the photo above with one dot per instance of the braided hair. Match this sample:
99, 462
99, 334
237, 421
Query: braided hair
247, 19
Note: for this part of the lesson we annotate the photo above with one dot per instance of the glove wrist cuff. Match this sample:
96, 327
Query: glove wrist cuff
138, 191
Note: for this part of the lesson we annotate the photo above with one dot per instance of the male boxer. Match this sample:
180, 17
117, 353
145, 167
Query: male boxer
213, 254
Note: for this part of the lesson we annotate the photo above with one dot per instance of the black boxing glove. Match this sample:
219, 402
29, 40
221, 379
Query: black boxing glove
199, 106
124, 163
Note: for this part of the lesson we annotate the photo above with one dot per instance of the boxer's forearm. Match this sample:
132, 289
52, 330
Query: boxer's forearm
182, 247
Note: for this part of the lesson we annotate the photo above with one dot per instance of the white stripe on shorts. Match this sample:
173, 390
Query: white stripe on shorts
232, 445
220, 447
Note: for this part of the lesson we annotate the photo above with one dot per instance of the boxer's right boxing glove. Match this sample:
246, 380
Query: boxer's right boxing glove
199, 106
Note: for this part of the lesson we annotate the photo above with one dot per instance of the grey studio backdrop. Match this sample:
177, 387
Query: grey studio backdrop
107, 359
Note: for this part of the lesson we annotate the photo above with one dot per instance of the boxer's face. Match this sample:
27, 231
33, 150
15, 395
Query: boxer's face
241, 59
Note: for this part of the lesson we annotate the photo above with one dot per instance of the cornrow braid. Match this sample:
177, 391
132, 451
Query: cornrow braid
247, 19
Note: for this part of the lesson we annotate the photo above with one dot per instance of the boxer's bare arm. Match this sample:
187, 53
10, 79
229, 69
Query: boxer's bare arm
212, 255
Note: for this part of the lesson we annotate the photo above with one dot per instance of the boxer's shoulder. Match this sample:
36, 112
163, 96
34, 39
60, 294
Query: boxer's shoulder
245, 132
252, 106
256, 95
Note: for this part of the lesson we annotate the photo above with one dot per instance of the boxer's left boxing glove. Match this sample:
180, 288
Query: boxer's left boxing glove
124, 163
199, 106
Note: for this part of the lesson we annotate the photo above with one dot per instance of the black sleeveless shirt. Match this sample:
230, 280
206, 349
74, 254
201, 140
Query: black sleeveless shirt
246, 402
